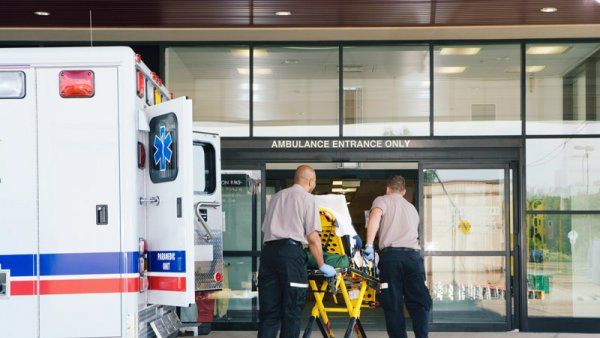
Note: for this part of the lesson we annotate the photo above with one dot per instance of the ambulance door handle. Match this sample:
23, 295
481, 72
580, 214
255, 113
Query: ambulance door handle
208, 205
151, 200
208, 235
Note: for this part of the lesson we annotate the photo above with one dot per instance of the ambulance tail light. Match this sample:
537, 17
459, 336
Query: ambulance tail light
141, 156
76, 83
141, 84
12, 85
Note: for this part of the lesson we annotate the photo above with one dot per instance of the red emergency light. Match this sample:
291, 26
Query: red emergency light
76, 83
141, 84
141, 155
218, 277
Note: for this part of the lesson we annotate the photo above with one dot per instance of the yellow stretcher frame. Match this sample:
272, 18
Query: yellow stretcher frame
319, 285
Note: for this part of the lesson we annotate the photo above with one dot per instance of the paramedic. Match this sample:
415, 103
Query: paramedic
291, 221
401, 267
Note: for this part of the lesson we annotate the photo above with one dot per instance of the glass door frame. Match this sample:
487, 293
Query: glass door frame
253, 253
509, 255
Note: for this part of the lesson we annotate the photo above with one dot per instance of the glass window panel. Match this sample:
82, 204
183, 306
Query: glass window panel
210, 77
562, 90
239, 195
234, 302
563, 174
477, 90
467, 289
386, 91
296, 91
563, 269
464, 210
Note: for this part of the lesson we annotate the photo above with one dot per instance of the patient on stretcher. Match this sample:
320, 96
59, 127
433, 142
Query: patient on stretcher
336, 222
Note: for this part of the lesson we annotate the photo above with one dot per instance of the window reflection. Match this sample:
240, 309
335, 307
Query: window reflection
563, 174
467, 289
234, 302
209, 76
386, 91
464, 210
477, 90
563, 270
296, 91
562, 97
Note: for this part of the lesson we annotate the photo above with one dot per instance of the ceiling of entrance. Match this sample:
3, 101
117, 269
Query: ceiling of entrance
307, 13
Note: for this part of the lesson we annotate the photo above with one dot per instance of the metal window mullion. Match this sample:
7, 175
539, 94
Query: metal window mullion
251, 92
431, 90
341, 90
508, 262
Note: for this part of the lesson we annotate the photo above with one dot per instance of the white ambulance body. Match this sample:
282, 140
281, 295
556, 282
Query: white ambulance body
109, 201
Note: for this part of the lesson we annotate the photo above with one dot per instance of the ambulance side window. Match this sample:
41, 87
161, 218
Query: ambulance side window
162, 146
205, 169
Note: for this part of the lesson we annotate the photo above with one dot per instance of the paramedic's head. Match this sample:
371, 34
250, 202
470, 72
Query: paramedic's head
306, 177
396, 185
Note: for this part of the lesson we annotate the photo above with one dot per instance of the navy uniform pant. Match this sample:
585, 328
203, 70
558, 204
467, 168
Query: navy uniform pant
282, 288
402, 274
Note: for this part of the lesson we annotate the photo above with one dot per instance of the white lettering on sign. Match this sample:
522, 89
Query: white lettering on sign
167, 266
340, 144
165, 256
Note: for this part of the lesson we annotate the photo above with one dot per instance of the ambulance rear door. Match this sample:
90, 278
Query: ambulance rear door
169, 201
208, 222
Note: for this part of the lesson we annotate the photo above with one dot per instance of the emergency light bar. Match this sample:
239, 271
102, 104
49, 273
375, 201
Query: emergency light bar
12, 85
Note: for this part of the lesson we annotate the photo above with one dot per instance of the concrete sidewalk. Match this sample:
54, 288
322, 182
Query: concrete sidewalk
380, 334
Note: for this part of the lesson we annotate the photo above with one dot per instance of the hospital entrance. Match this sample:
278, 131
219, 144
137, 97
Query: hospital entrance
467, 216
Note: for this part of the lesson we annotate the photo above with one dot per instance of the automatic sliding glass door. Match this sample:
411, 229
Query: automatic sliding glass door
465, 240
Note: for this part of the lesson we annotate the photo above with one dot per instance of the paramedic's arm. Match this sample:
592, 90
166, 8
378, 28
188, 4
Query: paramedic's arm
314, 244
373, 225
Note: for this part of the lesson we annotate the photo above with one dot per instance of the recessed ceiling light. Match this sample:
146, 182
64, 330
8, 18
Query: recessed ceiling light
549, 10
547, 50
528, 69
450, 70
283, 13
291, 61
336, 183
41, 13
460, 51
257, 71
245, 52
352, 69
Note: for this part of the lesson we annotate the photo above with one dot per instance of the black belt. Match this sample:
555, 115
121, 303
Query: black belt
287, 241
392, 249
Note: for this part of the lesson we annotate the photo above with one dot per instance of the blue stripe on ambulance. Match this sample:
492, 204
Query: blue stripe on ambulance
92, 263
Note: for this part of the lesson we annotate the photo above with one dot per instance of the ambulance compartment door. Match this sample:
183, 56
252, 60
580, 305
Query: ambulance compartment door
169, 204
208, 220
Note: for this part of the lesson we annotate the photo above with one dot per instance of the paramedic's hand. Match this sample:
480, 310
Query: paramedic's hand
328, 270
369, 252
358, 242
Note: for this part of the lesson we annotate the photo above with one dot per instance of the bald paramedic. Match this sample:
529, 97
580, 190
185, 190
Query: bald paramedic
292, 220
401, 267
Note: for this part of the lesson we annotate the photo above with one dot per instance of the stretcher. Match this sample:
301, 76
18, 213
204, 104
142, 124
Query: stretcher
357, 284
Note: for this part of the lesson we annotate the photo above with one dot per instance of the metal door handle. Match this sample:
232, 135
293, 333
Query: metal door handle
150, 200
208, 235
213, 205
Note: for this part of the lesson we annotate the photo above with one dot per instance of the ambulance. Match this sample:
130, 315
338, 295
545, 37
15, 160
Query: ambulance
110, 201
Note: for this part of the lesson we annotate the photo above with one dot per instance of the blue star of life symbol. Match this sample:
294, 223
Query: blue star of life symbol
162, 146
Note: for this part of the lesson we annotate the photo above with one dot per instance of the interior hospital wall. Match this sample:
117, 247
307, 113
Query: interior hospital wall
390, 107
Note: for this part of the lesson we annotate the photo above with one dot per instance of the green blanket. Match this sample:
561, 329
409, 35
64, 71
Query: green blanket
337, 261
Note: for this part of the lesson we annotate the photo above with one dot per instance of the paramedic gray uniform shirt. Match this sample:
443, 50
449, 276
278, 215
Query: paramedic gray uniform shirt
399, 226
293, 213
